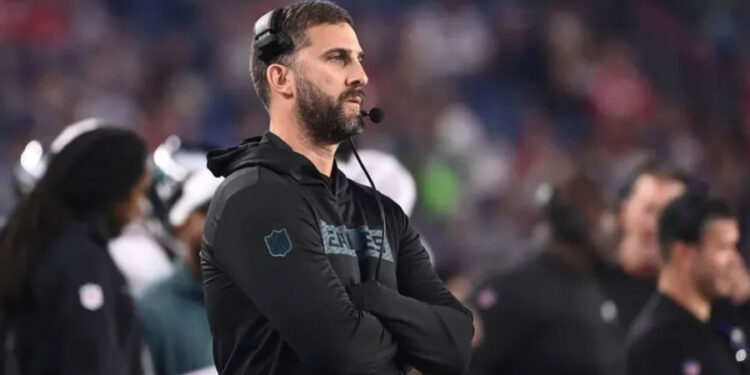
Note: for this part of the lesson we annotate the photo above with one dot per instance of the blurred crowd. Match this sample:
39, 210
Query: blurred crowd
486, 101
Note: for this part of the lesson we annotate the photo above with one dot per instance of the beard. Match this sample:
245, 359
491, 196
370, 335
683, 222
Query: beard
323, 116
710, 284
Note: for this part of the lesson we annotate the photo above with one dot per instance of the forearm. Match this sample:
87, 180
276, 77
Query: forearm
435, 339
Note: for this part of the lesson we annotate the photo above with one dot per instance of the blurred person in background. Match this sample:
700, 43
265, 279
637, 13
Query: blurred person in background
390, 176
548, 315
142, 251
305, 271
676, 333
630, 279
66, 307
148, 249
173, 310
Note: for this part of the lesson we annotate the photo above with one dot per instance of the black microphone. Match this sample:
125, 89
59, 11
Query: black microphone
376, 114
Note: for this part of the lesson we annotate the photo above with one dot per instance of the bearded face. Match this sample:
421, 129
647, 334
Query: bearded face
716, 258
324, 117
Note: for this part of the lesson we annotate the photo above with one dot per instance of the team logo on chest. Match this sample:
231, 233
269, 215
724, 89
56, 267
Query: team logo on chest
360, 242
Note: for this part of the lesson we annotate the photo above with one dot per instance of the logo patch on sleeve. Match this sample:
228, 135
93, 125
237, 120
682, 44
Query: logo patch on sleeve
691, 367
92, 296
278, 243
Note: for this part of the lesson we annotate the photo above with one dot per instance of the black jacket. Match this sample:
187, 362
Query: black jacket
289, 262
629, 293
78, 316
544, 316
668, 339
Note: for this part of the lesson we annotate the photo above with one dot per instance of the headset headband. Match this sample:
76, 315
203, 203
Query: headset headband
270, 40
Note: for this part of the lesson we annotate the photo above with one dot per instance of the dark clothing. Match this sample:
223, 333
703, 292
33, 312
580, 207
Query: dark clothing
739, 315
543, 316
289, 263
175, 325
629, 293
667, 339
78, 316
729, 323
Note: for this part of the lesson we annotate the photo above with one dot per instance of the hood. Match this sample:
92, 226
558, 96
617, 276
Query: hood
270, 151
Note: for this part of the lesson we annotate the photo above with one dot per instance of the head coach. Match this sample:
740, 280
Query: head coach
305, 271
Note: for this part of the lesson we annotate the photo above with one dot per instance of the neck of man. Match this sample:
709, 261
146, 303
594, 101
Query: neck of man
291, 131
677, 285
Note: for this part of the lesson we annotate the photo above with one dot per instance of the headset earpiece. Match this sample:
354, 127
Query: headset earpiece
566, 221
270, 40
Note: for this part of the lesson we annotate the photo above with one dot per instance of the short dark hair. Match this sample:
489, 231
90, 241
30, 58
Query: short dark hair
652, 167
296, 19
684, 219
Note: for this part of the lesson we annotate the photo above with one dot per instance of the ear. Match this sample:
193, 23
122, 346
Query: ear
682, 252
280, 80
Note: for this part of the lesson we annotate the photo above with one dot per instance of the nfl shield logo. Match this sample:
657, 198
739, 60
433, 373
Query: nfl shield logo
92, 296
486, 298
691, 367
278, 243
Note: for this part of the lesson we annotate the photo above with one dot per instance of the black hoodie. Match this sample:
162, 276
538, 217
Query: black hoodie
289, 262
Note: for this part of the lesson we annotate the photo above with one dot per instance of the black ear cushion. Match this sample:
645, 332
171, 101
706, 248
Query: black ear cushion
283, 43
276, 20
566, 220
270, 41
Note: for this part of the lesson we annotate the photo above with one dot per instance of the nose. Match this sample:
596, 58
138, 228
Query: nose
357, 77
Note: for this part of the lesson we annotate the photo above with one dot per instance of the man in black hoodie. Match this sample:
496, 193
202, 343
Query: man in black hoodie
300, 275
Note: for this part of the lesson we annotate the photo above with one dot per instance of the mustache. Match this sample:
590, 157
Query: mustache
355, 92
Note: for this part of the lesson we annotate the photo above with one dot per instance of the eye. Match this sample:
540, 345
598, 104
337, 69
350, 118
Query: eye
341, 58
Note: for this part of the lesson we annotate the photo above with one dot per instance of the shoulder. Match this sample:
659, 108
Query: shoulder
512, 285
245, 205
253, 185
248, 178
664, 341
76, 266
391, 207
650, 336
74, 249
659, 320
529, 270
397, 220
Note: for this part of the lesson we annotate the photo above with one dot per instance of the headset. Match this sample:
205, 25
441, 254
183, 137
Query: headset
271, 42
566, 220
